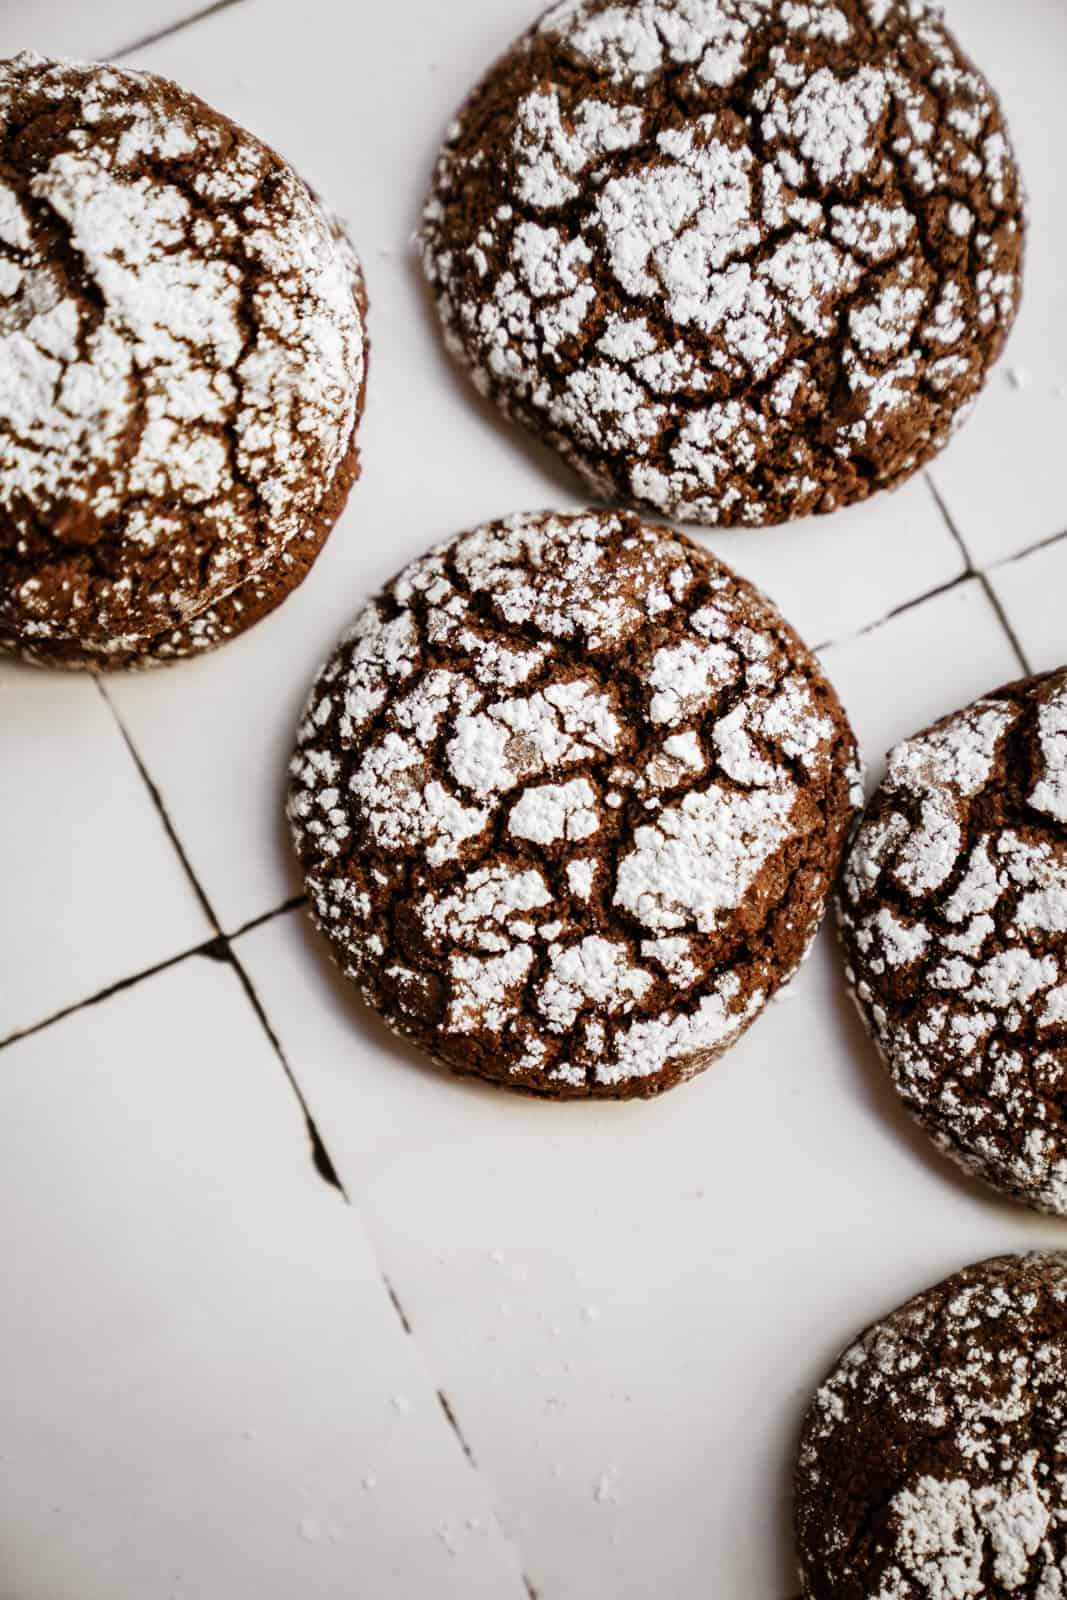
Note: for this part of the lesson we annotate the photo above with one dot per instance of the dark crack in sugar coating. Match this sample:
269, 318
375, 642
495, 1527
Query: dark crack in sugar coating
953, 912
737, 260
933, 1463
182, 367
570, 798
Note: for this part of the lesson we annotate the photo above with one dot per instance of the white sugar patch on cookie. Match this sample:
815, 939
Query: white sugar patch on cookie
596, 972
492, 752
642, 1049
549, 156
941, 768
484, 912
1050, 793
556, 811
631, 42
701, 856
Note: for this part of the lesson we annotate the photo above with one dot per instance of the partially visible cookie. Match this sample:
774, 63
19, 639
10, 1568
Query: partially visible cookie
933, 1463
737, 260
569, 798
953, 910
182, 367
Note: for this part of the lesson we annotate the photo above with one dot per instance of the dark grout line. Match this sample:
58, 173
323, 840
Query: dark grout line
175, 27
920, 600
397, 1307
946, 517
210, 950
1002, 615
328, 1172
164, 815
983, 578
221, 949
297, 901
456, 1429
1031, 550
897, 611
319, 1154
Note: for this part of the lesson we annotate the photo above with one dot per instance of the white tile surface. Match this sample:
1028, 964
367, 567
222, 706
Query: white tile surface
833, 575
920, 665
93, 890
199, 1364
1032, 591
95, 29
1003, 477
630, 1305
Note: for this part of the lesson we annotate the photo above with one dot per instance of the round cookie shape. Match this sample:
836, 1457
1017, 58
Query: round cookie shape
953, 913
738, 261
182, 368
932, 1459
569, 799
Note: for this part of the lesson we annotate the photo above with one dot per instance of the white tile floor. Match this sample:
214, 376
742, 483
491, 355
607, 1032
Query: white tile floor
93, 888
205, 1388
625, 1306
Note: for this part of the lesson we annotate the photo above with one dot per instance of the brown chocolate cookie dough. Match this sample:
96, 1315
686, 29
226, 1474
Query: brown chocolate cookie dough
737, 260
953, 913
932, 1464
569, 798
182, 365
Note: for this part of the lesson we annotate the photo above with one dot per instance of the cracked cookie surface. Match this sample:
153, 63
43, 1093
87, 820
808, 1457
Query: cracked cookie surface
737, 260
182, 363
953, 912
569, 798
933, 1462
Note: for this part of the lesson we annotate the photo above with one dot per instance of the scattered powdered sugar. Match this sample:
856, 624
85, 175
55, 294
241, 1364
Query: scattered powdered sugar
214, 363
959, 1402
744, 239
553, 866
960, 974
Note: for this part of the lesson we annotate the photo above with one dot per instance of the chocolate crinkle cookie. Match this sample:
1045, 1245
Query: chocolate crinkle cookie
569, 798
933, 1463
182, 360
737, 260
953, 912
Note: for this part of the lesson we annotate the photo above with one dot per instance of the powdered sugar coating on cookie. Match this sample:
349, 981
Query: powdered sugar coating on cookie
181, 359
738, 260
954, 919
932, 1460
569, 798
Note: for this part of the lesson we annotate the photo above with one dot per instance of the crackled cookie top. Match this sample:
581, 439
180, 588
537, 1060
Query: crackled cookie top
569, 798
181, 357
739, 260
954, 918
933, 1464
